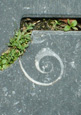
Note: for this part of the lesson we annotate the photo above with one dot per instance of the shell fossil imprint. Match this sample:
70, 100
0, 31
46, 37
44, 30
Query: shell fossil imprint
48, 66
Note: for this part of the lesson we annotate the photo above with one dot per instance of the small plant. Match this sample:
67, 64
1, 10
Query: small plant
54, 24
17, 46
71, 25
57, 22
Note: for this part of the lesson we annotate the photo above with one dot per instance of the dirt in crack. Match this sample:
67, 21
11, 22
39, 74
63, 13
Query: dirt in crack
52, 24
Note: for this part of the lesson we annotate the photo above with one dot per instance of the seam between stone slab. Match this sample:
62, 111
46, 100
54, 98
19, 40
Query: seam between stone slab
50, 16
57, 32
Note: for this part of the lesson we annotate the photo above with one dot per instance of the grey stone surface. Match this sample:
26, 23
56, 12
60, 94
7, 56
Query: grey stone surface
20, 96
11, 12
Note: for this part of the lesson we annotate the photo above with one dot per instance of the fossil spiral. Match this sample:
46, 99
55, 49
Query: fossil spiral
48, 64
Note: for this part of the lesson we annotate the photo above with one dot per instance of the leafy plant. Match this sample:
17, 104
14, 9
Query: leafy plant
29, 26
55, 23
71, 25
17, 46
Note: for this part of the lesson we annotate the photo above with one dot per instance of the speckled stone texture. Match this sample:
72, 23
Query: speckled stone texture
11, 12
20, 96
61, 51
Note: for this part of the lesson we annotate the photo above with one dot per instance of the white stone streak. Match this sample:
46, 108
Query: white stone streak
44, 52
13, 19
39, 56
26, 8
17, 102
36, 41
73, 64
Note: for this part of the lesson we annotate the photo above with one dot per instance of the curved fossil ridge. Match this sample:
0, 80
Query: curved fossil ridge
41, 54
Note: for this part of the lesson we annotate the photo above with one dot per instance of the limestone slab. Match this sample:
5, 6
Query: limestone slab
11, 12
47, 78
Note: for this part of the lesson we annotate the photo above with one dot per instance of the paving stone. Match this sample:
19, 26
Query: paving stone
11, 12
18, 95
47, 79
